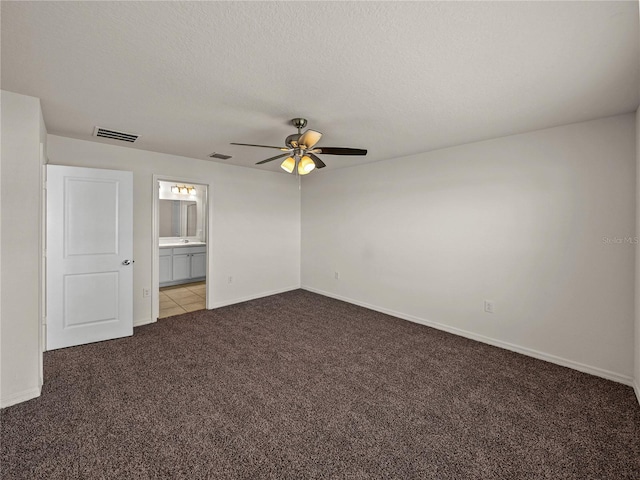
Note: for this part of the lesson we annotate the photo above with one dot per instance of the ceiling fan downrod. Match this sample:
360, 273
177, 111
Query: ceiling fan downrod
299, 123
292, 140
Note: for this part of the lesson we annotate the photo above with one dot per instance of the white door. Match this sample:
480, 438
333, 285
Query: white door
89, 255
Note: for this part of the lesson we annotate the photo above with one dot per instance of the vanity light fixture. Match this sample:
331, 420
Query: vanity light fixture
183, 189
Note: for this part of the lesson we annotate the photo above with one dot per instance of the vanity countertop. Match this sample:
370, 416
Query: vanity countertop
181, 244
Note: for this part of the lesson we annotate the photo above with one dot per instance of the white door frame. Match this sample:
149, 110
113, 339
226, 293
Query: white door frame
42, 318
155, 225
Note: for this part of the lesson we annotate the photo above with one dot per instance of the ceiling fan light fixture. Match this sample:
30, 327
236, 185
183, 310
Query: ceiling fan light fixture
288, 165
306, 165
303, 145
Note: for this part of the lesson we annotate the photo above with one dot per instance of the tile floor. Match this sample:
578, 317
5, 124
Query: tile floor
178, 299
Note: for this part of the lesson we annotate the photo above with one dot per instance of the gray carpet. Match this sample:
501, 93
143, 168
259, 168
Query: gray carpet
302, 386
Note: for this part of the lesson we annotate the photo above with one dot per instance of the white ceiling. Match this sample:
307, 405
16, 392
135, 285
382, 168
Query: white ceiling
397, 78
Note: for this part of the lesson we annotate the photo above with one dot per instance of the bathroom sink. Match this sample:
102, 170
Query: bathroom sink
182, 244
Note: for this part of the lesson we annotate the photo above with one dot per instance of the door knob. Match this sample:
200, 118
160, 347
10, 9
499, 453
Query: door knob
127, 262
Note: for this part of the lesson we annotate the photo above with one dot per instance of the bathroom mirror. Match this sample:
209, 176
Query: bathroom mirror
178, 218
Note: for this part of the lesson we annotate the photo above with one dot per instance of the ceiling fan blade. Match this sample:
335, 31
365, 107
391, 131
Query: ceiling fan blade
309, 138
340, 151
263, 146
319, 163
272, 158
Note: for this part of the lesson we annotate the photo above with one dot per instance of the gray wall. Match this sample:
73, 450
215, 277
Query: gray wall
532, 222
255, 219
20, 297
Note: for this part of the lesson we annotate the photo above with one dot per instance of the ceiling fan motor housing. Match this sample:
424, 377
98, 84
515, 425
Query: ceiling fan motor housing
292, 140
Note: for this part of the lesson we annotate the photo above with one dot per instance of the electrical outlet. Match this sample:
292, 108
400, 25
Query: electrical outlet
229, 279
336, 275
146, 292
488, 306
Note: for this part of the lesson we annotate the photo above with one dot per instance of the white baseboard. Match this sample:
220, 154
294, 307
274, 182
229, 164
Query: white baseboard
20, 397
253, 297
146, 321
599, 372
636, 387
143, 321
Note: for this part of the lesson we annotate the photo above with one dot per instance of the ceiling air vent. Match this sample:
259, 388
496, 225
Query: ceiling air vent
115, 135
220, 156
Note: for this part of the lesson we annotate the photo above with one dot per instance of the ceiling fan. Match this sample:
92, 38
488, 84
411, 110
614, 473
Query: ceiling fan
300, 150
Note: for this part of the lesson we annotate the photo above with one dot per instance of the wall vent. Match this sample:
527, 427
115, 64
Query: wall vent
115, 135
220, 156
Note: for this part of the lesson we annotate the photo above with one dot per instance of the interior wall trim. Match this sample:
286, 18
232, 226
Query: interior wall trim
146, 321
143, 321
155, 240
636, 387
253, 297
581, 367
19, 397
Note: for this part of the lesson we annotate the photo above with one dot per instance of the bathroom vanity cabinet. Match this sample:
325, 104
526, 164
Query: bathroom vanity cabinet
183, 264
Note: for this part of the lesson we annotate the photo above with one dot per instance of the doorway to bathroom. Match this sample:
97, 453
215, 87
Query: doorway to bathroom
181, 247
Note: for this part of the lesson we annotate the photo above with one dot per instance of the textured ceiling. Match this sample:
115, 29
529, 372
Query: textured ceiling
397, 78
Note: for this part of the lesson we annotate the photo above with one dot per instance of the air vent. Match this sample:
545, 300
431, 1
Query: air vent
115, 135
220, 156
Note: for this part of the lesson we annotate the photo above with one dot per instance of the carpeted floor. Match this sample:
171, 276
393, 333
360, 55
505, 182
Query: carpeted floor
302, 386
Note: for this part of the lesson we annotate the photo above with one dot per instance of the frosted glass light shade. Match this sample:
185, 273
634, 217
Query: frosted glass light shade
288, 164
192, 190
175, 189
306, 165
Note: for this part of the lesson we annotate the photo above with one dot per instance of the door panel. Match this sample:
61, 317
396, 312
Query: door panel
90, 298
91, 216
89, 236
